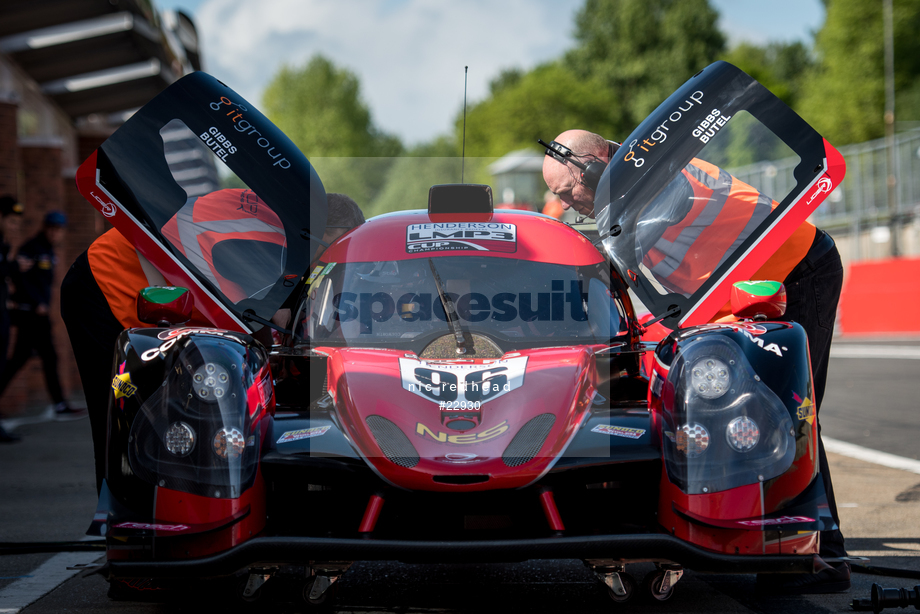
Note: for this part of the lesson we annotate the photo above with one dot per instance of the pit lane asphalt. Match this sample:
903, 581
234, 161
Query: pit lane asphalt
48, 494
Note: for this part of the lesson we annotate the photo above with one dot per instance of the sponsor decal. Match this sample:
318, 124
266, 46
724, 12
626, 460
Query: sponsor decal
174, 334
806, 409
315, 431
423, 431
478, 236
824, 186
313, 275
618, 431
635, 149
459, 457
108, 209
754, 329
235, 112
122, 386
218, 143
656, 384
710, 125
772, 521
151, 527
771, 347
747, 327
266, 388
462, 385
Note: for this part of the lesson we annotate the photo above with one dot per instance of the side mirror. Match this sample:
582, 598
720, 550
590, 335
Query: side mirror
164, 305
761, 300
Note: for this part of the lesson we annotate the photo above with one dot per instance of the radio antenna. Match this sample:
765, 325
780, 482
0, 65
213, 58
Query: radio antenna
463, 151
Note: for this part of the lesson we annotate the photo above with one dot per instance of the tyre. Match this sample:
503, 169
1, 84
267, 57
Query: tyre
629, 583
651, 585
325, 601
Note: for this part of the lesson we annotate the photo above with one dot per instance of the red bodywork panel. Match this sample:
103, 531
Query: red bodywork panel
559, 381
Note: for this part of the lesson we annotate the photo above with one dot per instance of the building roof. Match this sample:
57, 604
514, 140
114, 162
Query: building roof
96, 56
520, 161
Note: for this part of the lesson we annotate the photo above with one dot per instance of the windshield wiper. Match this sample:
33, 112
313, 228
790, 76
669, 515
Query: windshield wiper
461, 336
250, 316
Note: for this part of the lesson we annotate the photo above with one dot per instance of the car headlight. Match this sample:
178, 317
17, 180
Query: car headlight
229, 443
200, 430
742, 434
179, 439
211, 381
710, 377
692, 439
730, 428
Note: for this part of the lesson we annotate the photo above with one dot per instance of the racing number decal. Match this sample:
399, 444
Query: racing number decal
462, 383
445, 386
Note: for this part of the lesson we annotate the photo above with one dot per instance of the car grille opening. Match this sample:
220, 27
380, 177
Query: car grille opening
393, 442
460, 479
528, 440
461, 425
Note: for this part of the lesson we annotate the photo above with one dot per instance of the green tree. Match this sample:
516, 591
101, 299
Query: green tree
410, 176
780, 67
541, 103
319, 106
643, 50
844, 96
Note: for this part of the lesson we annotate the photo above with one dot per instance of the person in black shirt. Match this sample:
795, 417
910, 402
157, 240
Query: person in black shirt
10, 224
33, 278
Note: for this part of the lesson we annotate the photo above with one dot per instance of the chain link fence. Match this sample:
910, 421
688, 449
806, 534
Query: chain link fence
856, 213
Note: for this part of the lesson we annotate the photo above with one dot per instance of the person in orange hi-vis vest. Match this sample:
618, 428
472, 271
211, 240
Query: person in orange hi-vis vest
697, 229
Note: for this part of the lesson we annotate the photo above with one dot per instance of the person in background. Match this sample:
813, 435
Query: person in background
344, 214
552, 206
809, 266
10, 226
32, 278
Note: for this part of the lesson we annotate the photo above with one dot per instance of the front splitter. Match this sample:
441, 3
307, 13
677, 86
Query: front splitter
281, 550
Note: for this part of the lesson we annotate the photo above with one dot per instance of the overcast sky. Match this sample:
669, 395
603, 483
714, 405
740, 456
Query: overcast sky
409, 54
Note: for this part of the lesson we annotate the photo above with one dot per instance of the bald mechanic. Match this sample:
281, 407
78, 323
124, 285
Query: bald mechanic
809, 266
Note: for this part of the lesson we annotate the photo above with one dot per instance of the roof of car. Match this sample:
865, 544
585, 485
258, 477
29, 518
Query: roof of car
407, 235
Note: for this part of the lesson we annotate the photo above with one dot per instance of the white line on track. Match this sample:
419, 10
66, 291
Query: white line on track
47, 577
871, 456
853, 350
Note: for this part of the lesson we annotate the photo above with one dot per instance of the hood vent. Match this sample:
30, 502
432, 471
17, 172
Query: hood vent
393, 442
528, 440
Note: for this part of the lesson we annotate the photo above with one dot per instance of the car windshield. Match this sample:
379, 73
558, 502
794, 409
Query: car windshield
515, 303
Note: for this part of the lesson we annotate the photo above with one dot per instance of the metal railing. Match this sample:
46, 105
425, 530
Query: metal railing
858, 208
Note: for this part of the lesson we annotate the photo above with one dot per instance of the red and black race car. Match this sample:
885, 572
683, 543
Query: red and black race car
457, 384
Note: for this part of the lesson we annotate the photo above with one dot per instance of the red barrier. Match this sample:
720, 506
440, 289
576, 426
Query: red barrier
881, 296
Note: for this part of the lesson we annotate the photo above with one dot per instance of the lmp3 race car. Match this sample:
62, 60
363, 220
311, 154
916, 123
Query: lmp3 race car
458, 384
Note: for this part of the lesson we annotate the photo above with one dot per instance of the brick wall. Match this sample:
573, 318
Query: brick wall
9, 149
41, 192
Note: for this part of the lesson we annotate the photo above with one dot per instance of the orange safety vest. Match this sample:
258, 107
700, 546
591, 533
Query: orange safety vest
118, 271
722, 216
202, 223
